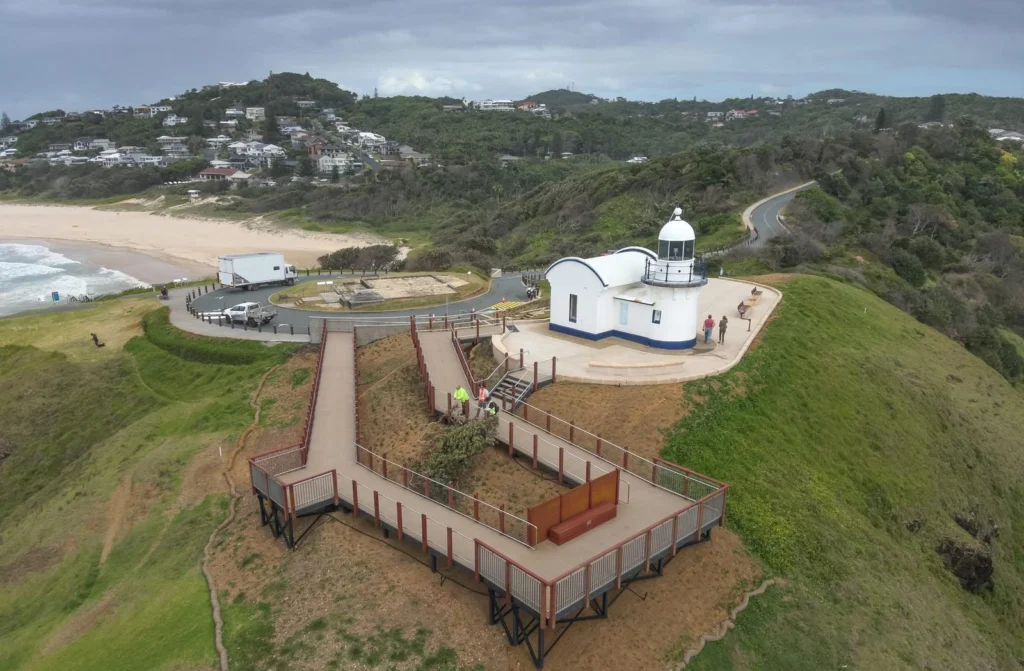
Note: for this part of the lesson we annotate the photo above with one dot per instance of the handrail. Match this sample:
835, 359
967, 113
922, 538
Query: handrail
522, 354
463, 362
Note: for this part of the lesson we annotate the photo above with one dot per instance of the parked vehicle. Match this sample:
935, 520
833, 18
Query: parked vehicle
249, 271
253, 314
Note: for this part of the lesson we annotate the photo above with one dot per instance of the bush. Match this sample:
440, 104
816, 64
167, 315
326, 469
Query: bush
909, 267
449, 456
159, 331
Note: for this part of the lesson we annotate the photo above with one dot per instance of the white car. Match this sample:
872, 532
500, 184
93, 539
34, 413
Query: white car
253, 314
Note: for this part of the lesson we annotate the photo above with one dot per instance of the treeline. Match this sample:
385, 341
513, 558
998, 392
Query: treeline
933, 221
67, 182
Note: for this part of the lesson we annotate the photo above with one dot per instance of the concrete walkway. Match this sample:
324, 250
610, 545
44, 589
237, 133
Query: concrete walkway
621, 362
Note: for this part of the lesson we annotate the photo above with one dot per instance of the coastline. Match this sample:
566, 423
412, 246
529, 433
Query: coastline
189, 243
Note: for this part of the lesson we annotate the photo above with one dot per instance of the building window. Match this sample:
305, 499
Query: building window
662, 249
277, 267
688, 250
655, 316
675, 251
623, 313
572, 308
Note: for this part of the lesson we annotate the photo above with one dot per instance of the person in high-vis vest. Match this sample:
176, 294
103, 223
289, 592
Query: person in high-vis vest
481, 398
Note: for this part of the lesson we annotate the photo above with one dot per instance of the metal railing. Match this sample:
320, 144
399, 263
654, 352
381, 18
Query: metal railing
692, 275
469, 506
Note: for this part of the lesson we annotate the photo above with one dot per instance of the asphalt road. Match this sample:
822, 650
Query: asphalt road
509, 287
765, 217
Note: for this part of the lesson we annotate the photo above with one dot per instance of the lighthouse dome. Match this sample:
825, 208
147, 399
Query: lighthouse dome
676, 230
676, 240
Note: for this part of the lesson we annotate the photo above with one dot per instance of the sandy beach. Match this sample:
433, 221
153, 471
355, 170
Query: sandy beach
189, 244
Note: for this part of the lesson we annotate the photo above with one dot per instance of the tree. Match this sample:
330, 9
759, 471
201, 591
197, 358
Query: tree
271, 131
335, 174
305, 166
937, 109
5, 123
880, 120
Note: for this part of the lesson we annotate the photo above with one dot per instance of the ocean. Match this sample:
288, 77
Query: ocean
29, 274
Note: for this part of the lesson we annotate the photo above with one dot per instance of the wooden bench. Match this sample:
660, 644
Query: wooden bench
563, 532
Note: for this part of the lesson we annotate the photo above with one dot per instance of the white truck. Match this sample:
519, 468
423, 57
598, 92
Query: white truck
249, 271
252, 314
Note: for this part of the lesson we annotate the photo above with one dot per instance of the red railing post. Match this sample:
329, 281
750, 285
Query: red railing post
476, 560
535, 451
405, 474
588, 472
449, 403
535, 376
451, 495
572, 431
700, 519
647, 554
337, 499
478, 330
423, 521
675, 534
521, 364
510, 443
508, 582
476, 506
526, 412
384, 465
561, 463
618, 568
355, 500
547, 423
625, 459
599, 446
553, 369
501, 517
376, 508
451, 558
398, 514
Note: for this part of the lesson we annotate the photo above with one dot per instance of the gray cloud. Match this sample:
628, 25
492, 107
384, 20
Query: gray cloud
83, 53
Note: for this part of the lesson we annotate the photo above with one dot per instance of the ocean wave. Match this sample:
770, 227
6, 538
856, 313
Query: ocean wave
30, 294
19, 252
11, 270
122, 278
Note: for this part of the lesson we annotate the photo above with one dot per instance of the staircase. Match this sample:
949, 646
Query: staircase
514, 386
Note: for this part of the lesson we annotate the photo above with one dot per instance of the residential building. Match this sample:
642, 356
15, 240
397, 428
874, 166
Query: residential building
229, 123
167, 140
637, 159
160, 109
82, 144
716, 115
526, 106
58, 147
218, 141
371, 140
216, 163
774, 113
328, 113
407, 153
101, 143
255, 113
9, 140
243, 162
238, 147
836, 101
333, 150
305, 104
8, 153
29, 124
216, 174
453, 108
132, 151
52, 120
740, 114
326, 164
234, 112
176, 151
541, 111
495, 105
253, 135
172, 120
505, 159
143, 112
141, 160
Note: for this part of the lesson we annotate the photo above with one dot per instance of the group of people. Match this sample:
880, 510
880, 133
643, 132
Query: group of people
709, 329
485, 404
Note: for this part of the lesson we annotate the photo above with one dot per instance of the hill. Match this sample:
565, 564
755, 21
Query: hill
856, 443
562, 99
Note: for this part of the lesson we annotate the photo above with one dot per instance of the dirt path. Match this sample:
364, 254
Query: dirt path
118, 508
218, 620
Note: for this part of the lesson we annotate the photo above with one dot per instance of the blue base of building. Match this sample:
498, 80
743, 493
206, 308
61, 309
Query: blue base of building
649, 342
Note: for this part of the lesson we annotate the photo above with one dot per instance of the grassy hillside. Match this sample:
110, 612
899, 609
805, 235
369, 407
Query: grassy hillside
101, 524
853, 438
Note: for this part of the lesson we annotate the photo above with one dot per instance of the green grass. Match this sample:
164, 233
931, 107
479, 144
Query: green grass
77, 427
848, 420
188, 347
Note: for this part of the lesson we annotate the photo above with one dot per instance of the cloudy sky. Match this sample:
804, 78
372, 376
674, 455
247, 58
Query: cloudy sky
76, 54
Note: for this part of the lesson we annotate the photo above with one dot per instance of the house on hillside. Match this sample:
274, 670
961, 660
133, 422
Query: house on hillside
327, 164
218, 141
835, 101
167, 140
453, 108
229, 123
371, 140
172, 120
305, 104
29, 124
58, 147
52, 120
526, 106
495, 105
160, 109
715, 116
234, 112
101, 143
82, 144
143, 112
253, 135
255, 113
407, 153
216, 174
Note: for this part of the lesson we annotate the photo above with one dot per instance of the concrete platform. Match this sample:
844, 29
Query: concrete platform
621, 362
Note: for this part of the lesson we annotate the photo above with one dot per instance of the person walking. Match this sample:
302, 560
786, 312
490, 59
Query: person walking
481, 400
709, 329
722, 325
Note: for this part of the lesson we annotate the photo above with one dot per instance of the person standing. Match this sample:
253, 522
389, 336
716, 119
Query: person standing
722, 325
481, 400
709, 329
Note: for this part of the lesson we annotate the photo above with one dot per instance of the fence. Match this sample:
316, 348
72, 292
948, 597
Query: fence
660, 473
470, 506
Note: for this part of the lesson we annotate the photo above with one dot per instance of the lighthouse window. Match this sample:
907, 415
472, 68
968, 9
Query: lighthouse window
688, 250
655, 316
662, 249
675, 251
572, 308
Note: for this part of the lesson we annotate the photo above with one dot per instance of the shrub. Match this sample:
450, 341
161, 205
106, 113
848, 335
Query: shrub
909, 267
452, 449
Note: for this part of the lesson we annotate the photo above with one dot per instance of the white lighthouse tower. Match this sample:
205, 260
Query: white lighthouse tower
635, 294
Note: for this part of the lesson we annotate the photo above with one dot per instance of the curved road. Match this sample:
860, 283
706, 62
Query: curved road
509, 287
765, 215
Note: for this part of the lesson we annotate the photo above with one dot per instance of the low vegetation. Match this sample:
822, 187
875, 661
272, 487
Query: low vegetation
858, 443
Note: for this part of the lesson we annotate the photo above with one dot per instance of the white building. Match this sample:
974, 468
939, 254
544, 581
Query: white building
174, 120
634, 294
496, 106
160, 109
326, 164
234, 112
166, 141
255, 113
371, 139
218, 141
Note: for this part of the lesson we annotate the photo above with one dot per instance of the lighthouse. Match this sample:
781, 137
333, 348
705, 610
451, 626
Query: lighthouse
636, 294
